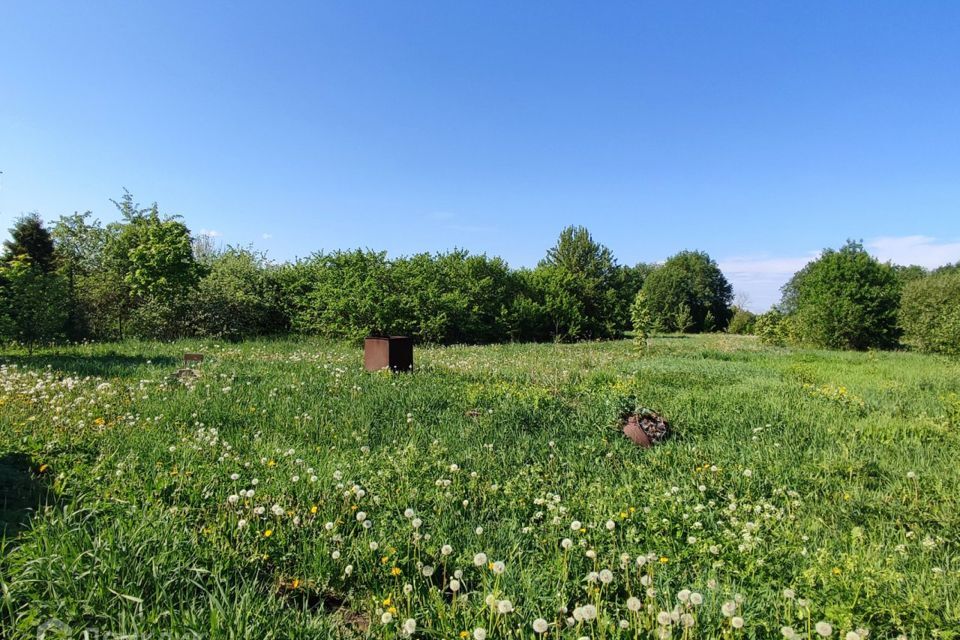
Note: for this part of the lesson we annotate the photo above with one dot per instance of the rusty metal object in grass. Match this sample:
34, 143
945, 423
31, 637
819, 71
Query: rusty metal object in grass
645, 428
393, 352
190, 359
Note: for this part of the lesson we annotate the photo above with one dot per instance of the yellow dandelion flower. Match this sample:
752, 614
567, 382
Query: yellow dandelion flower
664, 559
387, 601
313, 509
44, 467
395, 571
836, 571
268, 533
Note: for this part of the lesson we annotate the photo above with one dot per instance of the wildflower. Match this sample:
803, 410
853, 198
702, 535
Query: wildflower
576, 525
268, 533
736, 622
589, 612
852, 635
479, 634
454, 585
277, 510
634, 604
478, 531
728, 608
663, 618
416, 522
696, 598
606, 576
504, 606
395, 571
233, 499
234, 476
407, 589
335, 555
683, 595
409, 626
408, 513
446, 550
788, 633
480, 559
498, 567
540, 625
687, 620
241, 523
386, 618
747, 473
912, 475
374, 545
824, 629
361, 516
789, 594
313, 509
611, 525
427, 571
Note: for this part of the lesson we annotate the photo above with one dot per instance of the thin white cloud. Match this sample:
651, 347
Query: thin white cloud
922, 250
759, 278
267, 236
210, 233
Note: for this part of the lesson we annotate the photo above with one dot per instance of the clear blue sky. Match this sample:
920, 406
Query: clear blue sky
759, 132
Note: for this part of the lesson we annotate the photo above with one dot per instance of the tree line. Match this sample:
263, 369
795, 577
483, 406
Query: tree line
147, 276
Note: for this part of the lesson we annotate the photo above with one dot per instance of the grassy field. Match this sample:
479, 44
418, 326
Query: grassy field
288, 494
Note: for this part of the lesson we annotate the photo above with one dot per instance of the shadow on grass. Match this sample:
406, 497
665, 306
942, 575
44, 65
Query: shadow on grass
23, 490
107, 365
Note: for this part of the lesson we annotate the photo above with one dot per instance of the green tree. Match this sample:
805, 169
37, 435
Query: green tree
34, 301
30, 238
686, 291
149, 262
79, 246
588, 276
845, 299
641, 320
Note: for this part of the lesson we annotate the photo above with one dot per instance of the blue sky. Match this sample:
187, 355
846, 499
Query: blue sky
758, 132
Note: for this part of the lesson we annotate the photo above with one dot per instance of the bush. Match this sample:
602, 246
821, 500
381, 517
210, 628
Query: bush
238, 298
930, 313
742, 322
845, 299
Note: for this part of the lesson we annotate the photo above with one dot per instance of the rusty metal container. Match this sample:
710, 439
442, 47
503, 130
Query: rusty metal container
395, 352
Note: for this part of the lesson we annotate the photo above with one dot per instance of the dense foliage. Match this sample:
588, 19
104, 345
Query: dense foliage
930, 313
147, 276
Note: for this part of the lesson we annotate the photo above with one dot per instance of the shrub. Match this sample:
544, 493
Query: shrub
930, 313
239, 297
742, 322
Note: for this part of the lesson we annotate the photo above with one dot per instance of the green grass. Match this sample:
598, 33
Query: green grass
834, 475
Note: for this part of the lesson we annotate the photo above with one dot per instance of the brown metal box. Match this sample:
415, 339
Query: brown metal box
395, 352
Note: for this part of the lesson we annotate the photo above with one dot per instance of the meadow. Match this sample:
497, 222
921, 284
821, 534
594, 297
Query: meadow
286, 493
